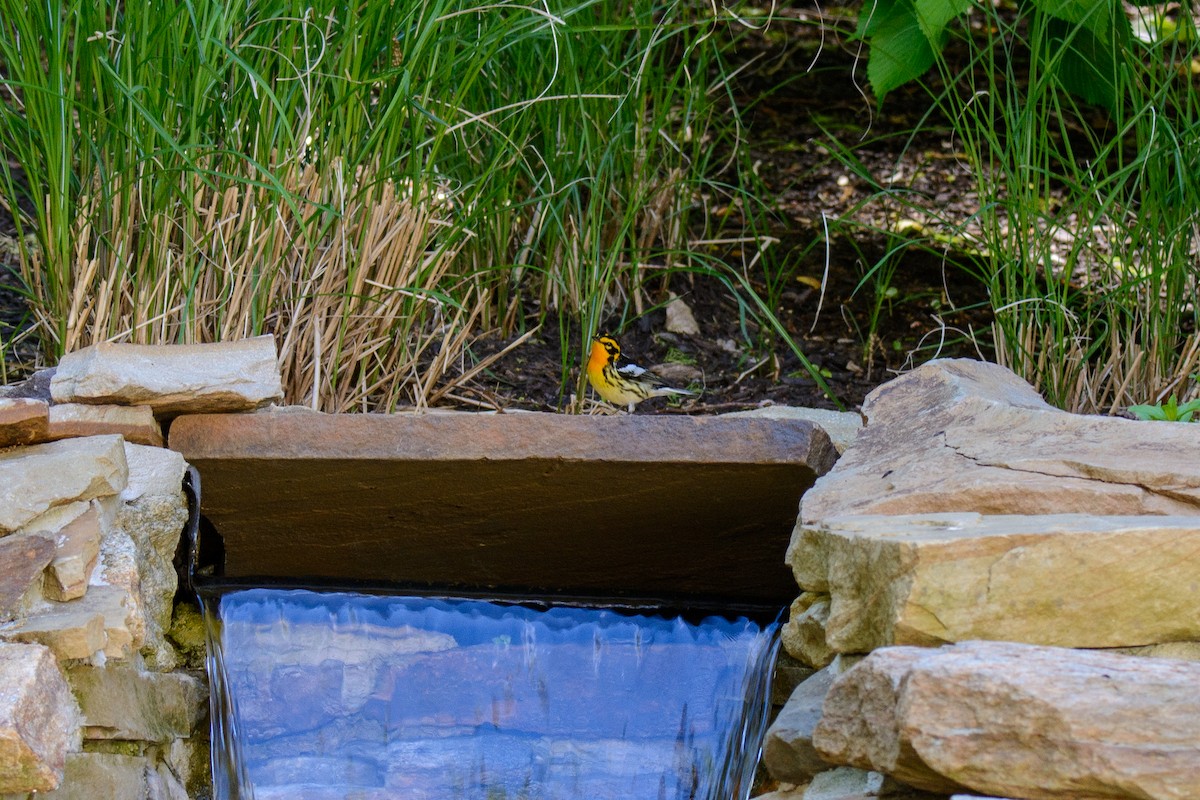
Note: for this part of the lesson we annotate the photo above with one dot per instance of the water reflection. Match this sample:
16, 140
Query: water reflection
338, 695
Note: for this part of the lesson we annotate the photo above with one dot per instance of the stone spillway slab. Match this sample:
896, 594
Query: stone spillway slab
636, 506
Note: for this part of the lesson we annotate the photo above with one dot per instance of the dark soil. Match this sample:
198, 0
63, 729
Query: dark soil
802, 89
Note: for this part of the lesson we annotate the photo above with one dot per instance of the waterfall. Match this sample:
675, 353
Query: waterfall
328, 695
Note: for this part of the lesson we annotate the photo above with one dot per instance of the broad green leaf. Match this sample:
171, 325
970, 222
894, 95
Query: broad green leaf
900, 51
873, 13
1089, 66
935, 15
1095, 15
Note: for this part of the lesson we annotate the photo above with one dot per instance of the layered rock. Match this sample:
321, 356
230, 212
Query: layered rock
1065, 579
135, 423
86, 578
23, 421
945, 521
91, 512
961, 435
35, 479
172, 379
967, 508
1022, 721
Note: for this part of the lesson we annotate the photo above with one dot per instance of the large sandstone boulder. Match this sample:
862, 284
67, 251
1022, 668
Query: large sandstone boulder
968, 508
1013, 720
962, 435
1073, 580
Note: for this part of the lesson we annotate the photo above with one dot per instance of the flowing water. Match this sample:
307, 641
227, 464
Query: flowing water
338, 695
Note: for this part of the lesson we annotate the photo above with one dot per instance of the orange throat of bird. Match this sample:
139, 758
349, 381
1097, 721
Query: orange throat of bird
597, 360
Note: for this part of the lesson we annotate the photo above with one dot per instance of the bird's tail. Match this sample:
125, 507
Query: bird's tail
664, 391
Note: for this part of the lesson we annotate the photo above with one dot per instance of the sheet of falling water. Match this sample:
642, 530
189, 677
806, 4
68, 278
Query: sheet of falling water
338, 695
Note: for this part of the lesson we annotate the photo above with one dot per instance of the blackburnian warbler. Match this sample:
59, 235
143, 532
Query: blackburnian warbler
625, 385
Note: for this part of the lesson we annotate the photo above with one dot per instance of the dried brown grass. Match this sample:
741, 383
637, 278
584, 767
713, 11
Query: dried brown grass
1132, 373
352, 273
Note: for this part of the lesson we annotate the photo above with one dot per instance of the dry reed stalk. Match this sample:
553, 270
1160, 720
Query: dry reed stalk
1130, 374
352, 273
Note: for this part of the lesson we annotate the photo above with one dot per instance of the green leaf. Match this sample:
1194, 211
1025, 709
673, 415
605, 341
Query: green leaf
1090, 66
1147, 412
934, 15
1094, 15
900, 51
1169, 411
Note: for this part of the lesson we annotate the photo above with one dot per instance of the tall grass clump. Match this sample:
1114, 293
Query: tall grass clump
1091, 217
374, 183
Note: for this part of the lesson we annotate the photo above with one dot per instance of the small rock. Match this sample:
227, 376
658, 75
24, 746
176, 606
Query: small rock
678, 375
804, 633
120, 596
789, 793
135, 423
152, 518
861, 721
123, 702
39, 721
842, 426
70, 626
35, 387
153, 471
844, 783
22, 559
788, 753
71, 631
172, 379
77, 548
23, 421
680, 318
